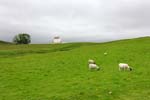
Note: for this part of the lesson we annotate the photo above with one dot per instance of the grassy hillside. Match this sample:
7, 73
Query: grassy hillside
4, 42
60, 72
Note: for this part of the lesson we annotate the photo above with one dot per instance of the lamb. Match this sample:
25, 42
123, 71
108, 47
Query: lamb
92, 65
91, 61
124, 66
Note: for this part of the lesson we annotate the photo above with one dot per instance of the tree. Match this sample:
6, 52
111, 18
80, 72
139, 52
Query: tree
22, 38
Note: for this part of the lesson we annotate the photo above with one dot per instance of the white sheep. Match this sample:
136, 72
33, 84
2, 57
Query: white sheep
93, 66
124, 66
90, 61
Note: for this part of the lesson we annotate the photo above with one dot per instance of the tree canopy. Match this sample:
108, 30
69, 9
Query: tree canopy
22, 38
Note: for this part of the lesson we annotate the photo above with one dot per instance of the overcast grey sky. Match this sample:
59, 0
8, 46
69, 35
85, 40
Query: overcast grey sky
74, 20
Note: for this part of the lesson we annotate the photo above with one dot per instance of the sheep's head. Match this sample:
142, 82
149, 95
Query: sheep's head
98, 68
130, 69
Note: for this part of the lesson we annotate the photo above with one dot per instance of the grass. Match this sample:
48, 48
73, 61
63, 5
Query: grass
60, 72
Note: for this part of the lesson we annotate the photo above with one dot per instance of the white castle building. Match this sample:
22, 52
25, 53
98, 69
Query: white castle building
57, 40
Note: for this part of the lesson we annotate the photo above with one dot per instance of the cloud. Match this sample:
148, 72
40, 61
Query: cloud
74, 20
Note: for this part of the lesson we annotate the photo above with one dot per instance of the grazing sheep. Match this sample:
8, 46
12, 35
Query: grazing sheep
124, 66
91, 61
93, 66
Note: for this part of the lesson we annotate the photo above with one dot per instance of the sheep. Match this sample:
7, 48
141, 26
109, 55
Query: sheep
124, 66
91, 61
93, 66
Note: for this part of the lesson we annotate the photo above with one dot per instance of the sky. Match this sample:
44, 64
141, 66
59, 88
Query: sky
75, 20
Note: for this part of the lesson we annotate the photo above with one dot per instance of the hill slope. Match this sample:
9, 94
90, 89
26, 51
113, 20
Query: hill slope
4, 42
60, 72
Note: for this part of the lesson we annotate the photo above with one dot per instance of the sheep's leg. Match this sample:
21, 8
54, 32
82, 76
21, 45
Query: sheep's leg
124, 68
121, 69
90, 68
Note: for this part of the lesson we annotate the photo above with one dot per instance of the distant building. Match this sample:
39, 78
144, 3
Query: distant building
57, 40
